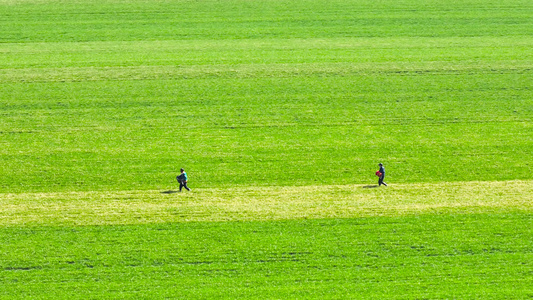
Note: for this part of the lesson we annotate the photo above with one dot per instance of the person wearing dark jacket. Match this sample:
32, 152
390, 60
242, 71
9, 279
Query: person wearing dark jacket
382, 175
182, 179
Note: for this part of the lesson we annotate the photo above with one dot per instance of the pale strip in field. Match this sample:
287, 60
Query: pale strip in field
263, 203
252, 70
155, 60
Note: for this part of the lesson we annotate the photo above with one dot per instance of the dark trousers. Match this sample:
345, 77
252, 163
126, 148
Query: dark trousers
183, 184
380, 181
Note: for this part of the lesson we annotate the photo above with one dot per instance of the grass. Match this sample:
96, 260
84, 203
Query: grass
285, 131
310, 97
469, 256
447, 240
263, 204
279, 111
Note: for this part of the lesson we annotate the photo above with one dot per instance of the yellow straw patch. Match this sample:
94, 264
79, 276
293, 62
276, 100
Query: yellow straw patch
262, 203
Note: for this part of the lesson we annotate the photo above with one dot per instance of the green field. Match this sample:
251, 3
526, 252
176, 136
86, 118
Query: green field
279, 111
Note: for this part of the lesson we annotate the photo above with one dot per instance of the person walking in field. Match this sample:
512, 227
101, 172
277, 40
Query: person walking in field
182, 179
381, 175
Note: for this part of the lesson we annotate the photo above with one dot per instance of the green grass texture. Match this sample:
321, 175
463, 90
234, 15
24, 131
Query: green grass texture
118, 95
280, 112
459, 256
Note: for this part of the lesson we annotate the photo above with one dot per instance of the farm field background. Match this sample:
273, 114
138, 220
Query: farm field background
280, 112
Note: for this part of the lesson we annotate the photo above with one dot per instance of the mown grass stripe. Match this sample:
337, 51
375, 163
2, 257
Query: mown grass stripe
262, 203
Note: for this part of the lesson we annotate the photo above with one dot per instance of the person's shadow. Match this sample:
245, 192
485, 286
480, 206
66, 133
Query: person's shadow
370, 186
169, 192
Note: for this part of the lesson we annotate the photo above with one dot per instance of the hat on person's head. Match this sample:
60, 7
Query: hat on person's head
380, 164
